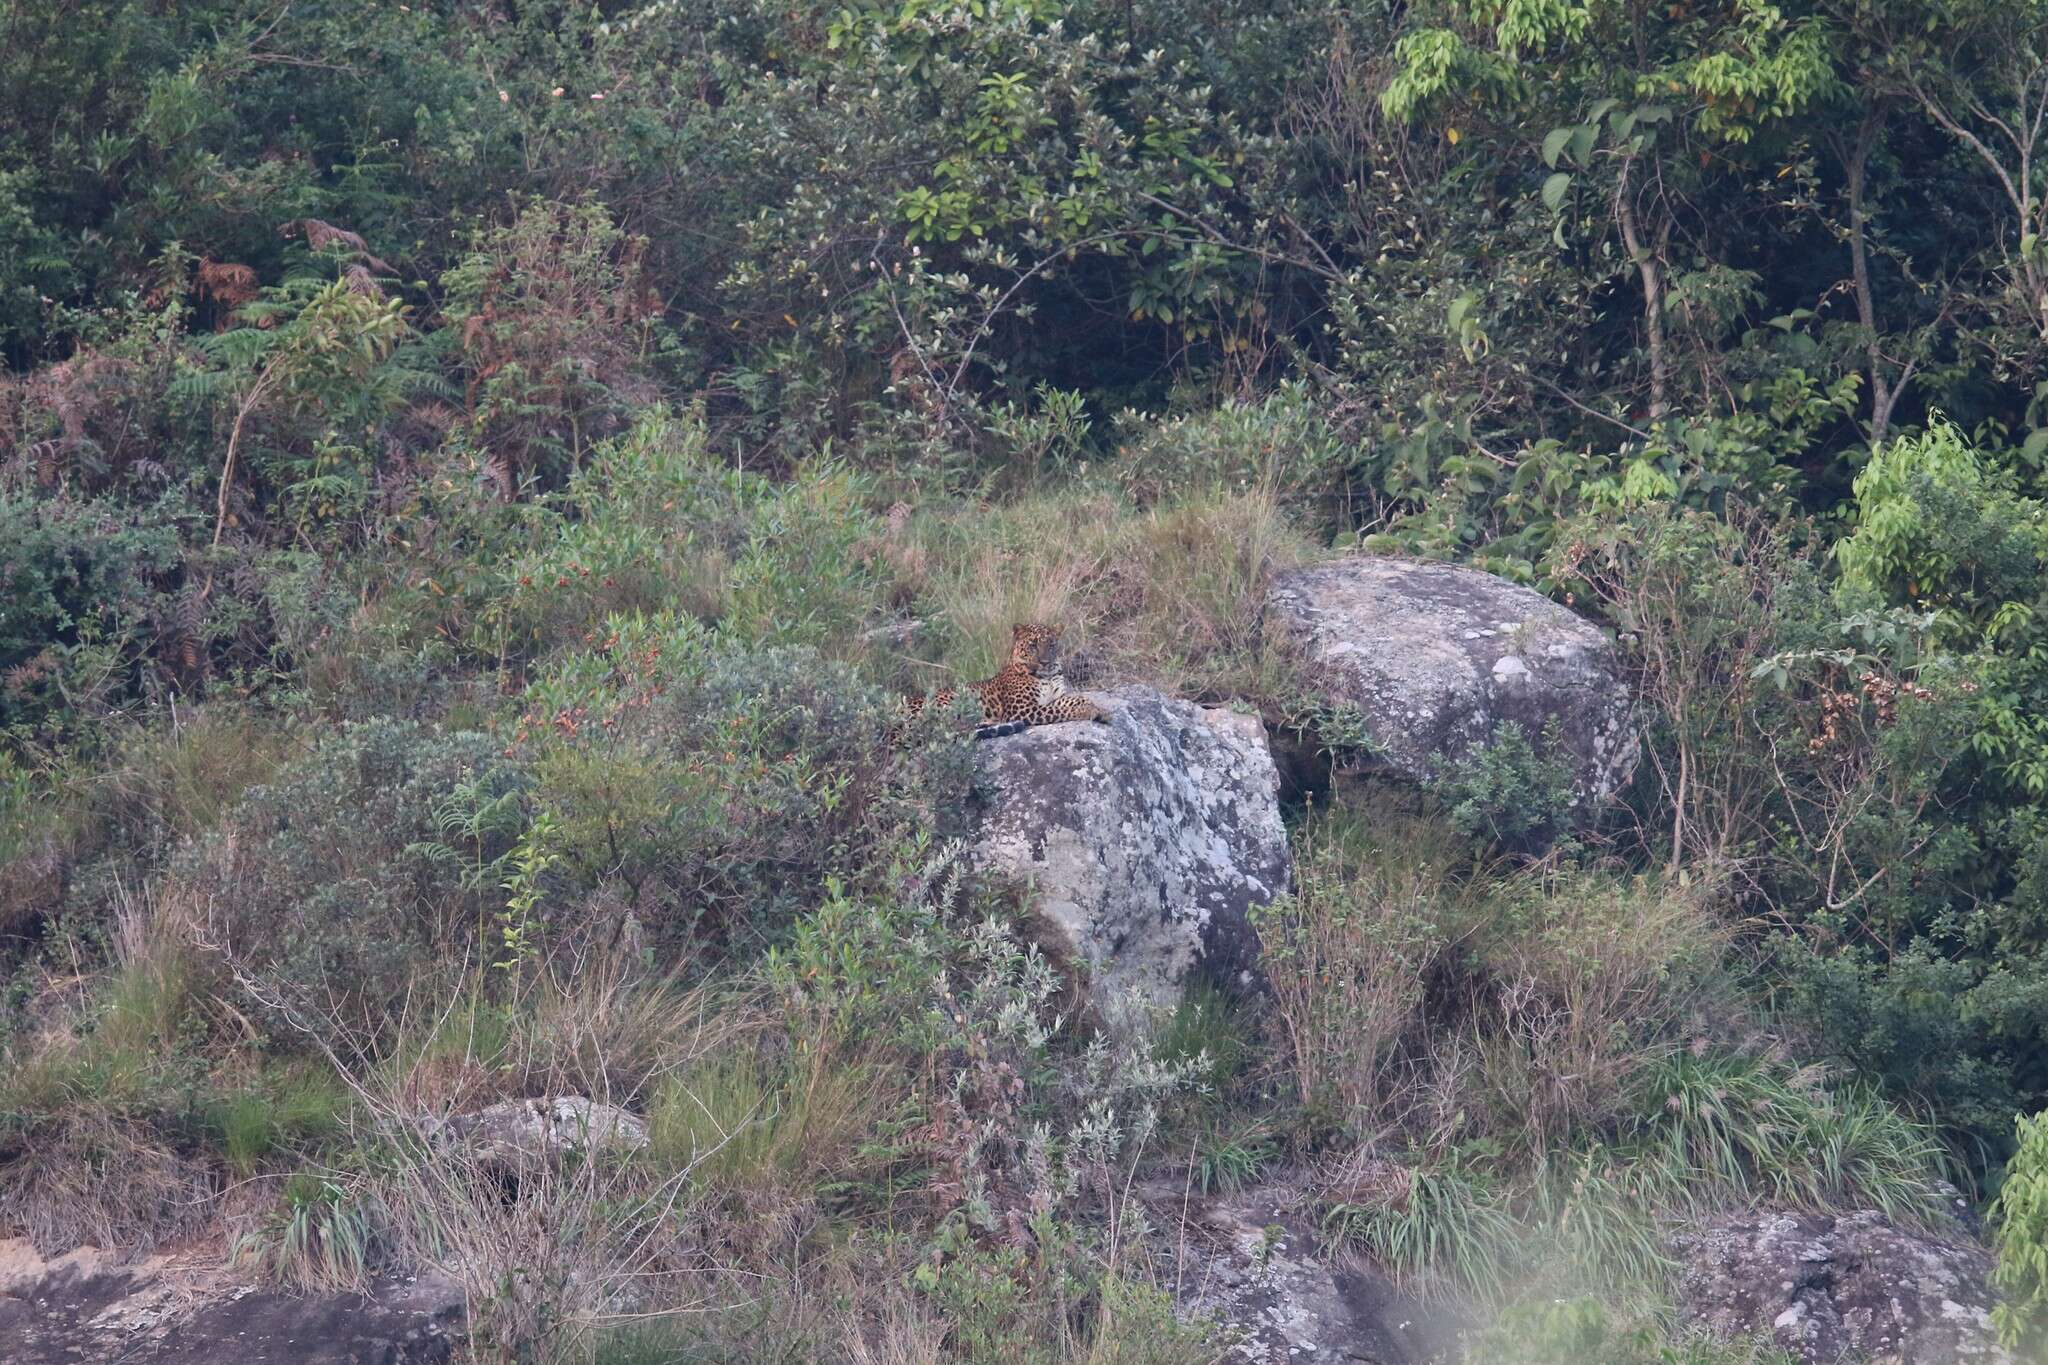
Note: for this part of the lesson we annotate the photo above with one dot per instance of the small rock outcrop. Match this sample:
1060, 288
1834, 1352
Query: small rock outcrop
1828, 1288
89, 1305
1246, 1264
1147, 842
1434, 658
517, 1135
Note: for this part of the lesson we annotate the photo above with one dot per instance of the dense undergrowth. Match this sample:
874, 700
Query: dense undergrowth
476, 480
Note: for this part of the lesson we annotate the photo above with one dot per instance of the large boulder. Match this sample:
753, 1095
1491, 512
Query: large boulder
1146, 841
1433, 658
1829, 1288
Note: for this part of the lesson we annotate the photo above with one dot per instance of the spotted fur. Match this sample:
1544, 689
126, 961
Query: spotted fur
1027, 690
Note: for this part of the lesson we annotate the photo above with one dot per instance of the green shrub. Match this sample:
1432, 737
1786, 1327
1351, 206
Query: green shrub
1053, 1304
365, 862
1932, 1031
2019, 1229
1281, 444
1514, 792
717, 786
549, 325
84, 587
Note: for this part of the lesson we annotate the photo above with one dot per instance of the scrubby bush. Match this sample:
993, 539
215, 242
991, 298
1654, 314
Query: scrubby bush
1349, 956
1516, 1011
1515, 791
368, 861
86, 590
718, 786
553, 328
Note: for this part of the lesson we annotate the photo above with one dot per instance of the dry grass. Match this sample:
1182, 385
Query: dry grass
595, 1027
1169, 594
1437, 1000
1348, 957
1591, 981
81, 1100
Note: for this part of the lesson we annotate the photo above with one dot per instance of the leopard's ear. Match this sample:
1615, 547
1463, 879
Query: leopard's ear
1020, 630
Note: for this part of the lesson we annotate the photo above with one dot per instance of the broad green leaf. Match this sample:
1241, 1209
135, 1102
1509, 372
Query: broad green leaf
1553, 143
1554, 189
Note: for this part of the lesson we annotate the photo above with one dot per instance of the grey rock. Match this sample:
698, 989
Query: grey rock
1247, 1265
1434, 657
1147, 841
519, 1134
1828, 1287
92, 1306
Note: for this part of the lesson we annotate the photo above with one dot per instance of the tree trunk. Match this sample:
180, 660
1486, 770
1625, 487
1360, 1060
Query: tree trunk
1653, 299
1882, 393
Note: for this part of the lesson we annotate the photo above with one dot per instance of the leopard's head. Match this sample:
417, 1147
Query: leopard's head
1035, 649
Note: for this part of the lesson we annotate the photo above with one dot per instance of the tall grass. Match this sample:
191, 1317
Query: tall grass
741, 1125
1719, 1127
1449, 1228
1349, 956
1170, 593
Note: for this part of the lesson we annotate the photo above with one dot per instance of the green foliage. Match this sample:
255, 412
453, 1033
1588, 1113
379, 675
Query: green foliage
2020, 1230
717, 786
1940, 529
553, 335
1752, 1128
1450, 1227
1285, 443
1514, 793
82, 587
474, 480
360, 865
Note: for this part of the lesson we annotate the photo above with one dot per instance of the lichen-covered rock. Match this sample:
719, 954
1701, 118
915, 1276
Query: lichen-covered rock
1245, 1263
1434, 657
89, 1305
518, 1134
1829, 1288
1147, 841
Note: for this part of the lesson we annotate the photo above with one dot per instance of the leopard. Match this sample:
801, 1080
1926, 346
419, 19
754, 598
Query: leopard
1028, 690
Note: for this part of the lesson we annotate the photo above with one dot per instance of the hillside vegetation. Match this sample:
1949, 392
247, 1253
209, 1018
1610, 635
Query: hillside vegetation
476, 480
